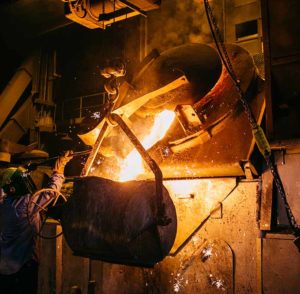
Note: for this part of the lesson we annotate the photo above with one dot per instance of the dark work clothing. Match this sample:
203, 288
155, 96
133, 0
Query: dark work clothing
23, 282
18, 239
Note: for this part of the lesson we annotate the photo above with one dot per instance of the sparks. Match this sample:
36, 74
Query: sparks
96, 115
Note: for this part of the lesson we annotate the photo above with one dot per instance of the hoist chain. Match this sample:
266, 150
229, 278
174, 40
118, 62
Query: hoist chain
227, 63
260, 138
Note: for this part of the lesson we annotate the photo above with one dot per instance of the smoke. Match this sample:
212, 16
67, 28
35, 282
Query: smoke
179, 22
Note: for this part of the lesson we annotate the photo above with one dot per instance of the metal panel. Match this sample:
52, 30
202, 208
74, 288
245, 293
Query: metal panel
185, 272
19, 124
194, 201
47, 268
285, 95
282, 56
288, 167
122, 279
239, 229
204, 266
284, 27
266, 201
281, 267
15, 88
75, 270
243, 2
201, 266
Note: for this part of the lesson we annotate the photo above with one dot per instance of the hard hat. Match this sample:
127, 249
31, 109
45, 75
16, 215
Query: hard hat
16, 181
6, 175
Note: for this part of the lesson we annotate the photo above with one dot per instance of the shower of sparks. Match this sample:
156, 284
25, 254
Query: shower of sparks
178, 283
96, 115
218, 283
206, 253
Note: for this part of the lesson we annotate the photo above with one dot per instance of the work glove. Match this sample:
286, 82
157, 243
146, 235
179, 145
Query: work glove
59, 166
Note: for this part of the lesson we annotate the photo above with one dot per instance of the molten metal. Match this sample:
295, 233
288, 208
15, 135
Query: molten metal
133, 164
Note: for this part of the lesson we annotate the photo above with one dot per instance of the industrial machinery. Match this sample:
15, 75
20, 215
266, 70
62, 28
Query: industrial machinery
174, 196
28, 105
102, 13
123, 211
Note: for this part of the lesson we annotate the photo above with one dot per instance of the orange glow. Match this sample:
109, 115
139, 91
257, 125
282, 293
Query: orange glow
133, 164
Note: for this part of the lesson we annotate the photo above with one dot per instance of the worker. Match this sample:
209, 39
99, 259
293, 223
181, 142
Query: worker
19, 224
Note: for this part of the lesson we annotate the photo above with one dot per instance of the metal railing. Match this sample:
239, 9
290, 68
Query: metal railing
79, 107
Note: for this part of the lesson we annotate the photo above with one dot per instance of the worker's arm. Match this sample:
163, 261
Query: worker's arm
55, 183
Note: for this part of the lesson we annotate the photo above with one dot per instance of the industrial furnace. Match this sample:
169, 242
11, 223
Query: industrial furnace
190, 82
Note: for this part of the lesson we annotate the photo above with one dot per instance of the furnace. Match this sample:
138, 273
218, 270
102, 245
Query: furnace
155, 159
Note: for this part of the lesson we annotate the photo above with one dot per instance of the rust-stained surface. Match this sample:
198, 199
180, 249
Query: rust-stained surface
281, 266
266, 201
214, 243
226, 134
194, 201
223, 139
288, 166
233, 263
117, 222
272, 207
184, 272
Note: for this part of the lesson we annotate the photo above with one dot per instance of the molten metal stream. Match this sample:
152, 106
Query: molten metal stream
133, 164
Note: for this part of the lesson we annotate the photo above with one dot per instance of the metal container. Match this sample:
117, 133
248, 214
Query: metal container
117, 222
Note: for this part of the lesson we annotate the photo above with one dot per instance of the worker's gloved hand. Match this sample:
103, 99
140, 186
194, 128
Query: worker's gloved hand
59, 166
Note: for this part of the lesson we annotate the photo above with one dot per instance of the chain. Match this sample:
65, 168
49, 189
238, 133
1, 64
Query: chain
259, 136
226, 61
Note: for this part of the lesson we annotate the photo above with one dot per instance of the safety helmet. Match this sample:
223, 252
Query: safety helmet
19, 179
6, 175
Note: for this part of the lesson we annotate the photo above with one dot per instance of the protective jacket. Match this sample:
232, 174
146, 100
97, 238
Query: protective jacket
19, 224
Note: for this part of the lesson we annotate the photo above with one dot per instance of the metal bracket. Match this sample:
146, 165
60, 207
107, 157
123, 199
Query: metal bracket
188, 119
217, 212
249, 170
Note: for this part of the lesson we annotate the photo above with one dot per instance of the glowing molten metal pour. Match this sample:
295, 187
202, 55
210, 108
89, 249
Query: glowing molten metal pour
133, 164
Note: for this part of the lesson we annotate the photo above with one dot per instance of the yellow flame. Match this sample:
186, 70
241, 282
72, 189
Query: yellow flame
133, 164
